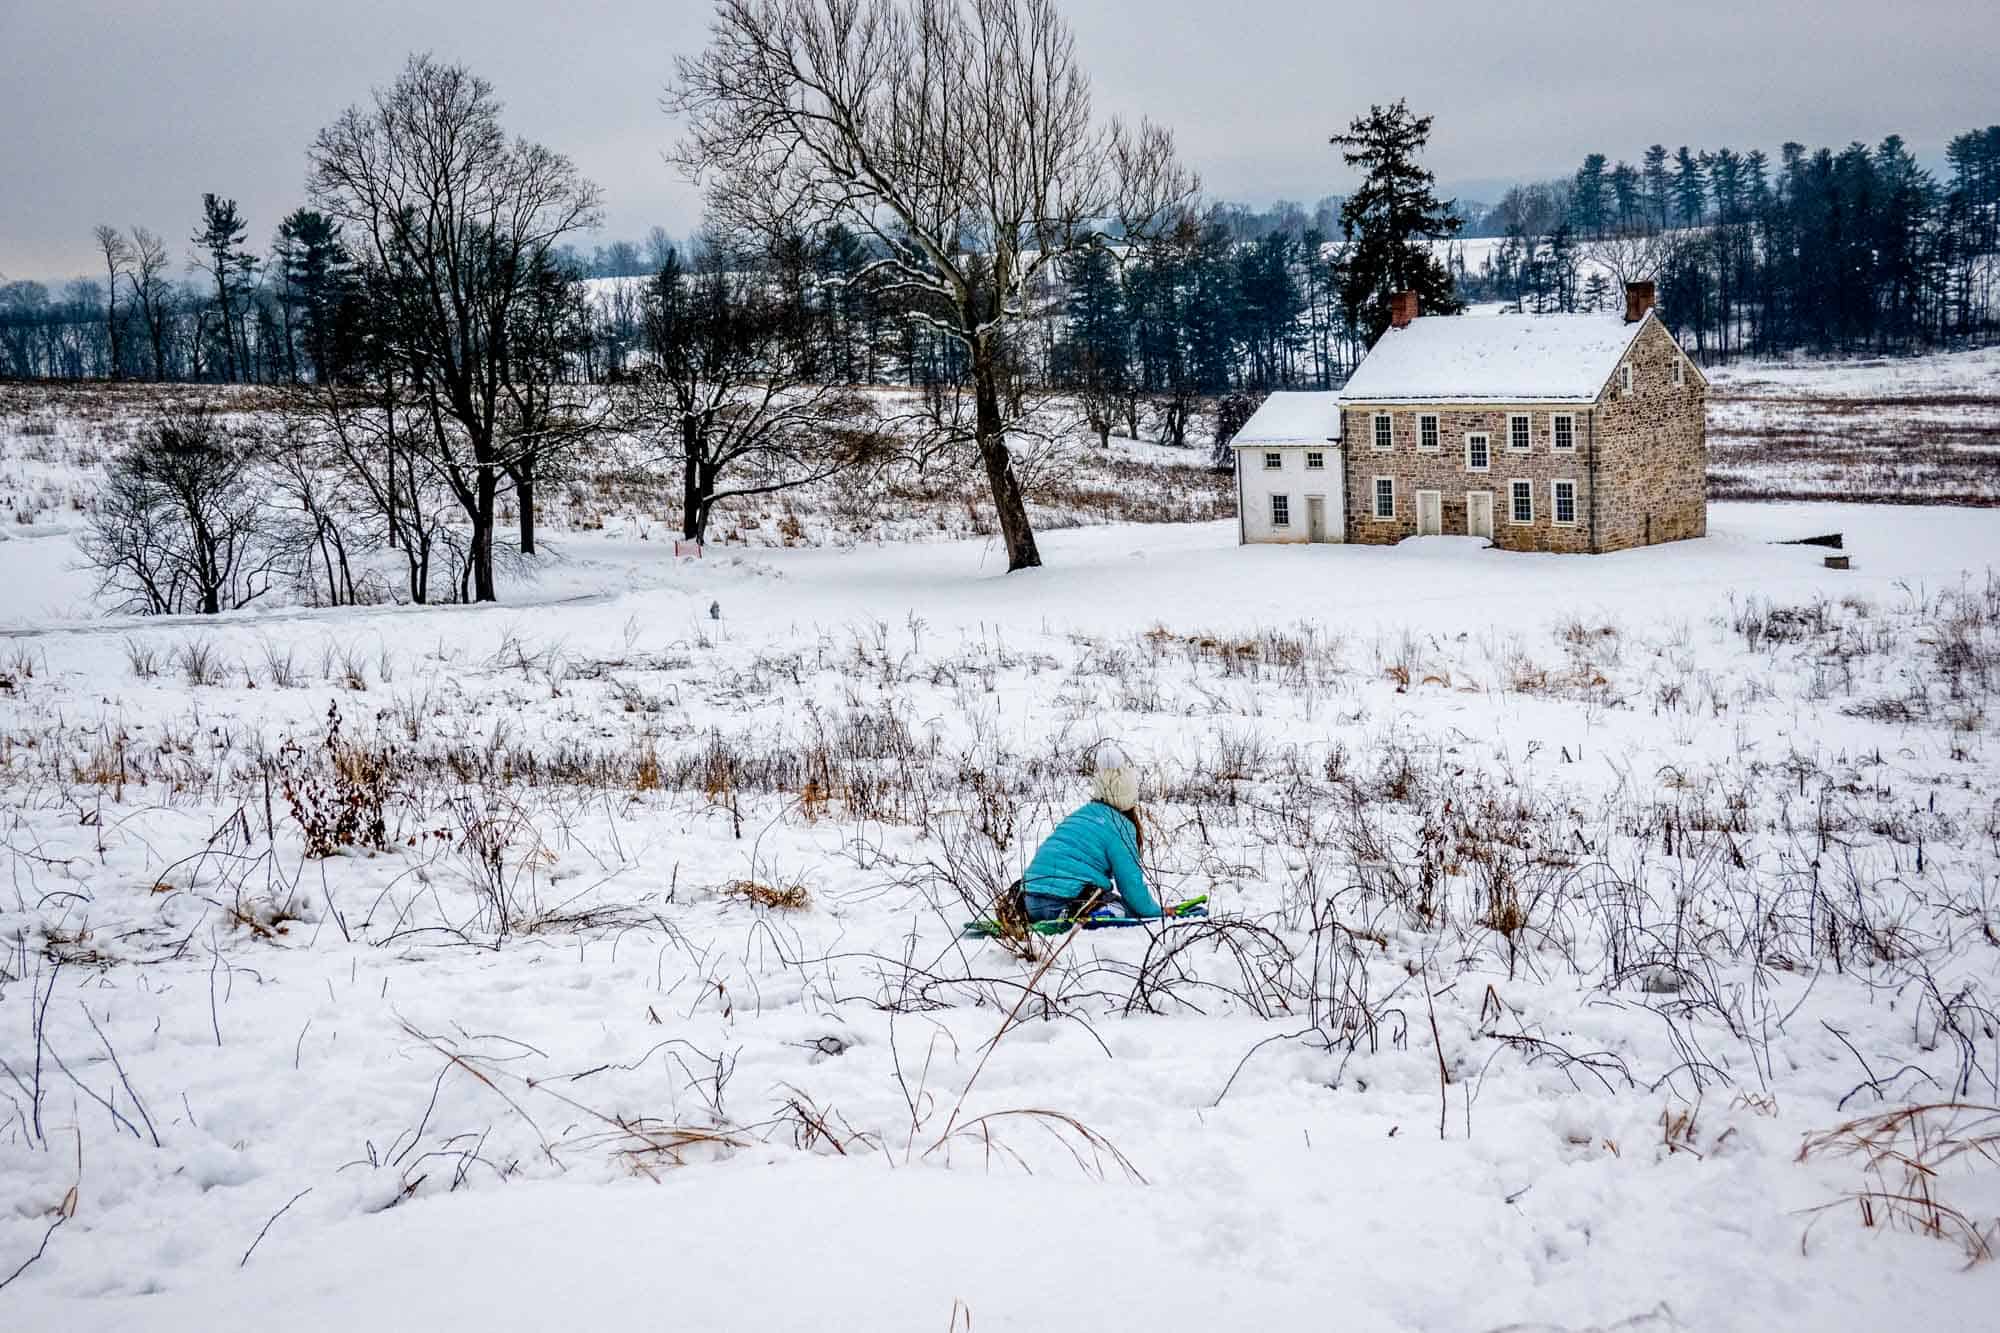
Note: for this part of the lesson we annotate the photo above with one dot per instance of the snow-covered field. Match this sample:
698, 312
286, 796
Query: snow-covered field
1909, 430
1563, 907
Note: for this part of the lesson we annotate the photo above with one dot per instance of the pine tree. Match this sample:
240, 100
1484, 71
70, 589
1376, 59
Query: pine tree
230, 265
318, 283
1391, 217
1588, 196
1657, 195
1625, 196
1690, 188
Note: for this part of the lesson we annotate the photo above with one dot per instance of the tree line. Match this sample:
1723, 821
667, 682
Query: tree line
913, 191
1857, 250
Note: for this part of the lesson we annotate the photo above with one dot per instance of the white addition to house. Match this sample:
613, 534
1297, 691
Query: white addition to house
1288, 472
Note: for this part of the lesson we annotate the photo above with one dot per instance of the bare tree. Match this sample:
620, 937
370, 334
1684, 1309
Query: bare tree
373, 438
182, 524
455, 219
154, 293
117, 254
958, 134
727, 393
1628, 258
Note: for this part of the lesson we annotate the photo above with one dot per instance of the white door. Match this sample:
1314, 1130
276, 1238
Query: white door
1479, 514
1316, 518
1430, 514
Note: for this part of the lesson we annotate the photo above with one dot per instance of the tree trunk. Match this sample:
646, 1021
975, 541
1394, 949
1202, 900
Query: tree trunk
694, 510
480, 556
1008, 504
524, 492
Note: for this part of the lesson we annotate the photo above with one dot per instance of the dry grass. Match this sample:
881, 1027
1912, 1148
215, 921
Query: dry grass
1904, 1154
791, 897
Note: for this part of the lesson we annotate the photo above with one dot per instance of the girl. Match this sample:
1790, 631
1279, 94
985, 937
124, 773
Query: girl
1094, 852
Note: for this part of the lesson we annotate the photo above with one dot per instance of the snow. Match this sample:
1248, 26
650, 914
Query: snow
1293, 417
405, 1119
1493, 358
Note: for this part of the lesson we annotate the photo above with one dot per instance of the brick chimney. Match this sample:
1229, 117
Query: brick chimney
1402, 309
1638, 301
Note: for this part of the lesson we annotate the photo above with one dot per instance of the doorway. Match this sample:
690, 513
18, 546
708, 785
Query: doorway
1430, 514
1315, 518
1479, 514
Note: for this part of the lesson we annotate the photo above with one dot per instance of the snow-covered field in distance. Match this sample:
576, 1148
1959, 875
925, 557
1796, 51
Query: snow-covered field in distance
1688, 853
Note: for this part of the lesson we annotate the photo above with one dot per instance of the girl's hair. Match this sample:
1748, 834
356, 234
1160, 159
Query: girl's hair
1138, 833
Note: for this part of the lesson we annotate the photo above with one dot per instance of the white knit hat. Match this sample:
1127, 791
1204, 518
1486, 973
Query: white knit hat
1113, 779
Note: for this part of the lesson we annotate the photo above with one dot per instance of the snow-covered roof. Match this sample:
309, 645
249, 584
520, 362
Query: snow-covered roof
1493, 359
1293, 418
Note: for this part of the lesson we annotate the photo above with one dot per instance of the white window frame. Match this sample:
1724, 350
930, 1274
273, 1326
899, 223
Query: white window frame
1383, 423
1625, 379
1487, 436
1555, 433
1680, 372
1274, 461
1527, 421
1555, 503
1315, 460
1513, 514
1431, 427
1281, 511
1375, 500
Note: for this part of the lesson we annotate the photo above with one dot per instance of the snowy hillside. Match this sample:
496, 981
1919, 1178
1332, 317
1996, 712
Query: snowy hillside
1581, 930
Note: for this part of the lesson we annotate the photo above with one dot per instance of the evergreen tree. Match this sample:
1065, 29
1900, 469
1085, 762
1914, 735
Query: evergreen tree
1097, 341
1690, 188
1625, 196
1658, 197
1589, 196
232, 267
1391, 217
318, 289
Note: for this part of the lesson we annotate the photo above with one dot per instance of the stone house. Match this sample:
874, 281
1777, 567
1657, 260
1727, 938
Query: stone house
1538, 432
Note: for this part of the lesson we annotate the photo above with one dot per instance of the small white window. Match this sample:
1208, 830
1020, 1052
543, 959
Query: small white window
1385, 497
1562, 427
1625, 377
1478, 452
1427, 432
1680, 372
1281, 511
1315, 460
1518, 432
1273, 462
1523, 494
1383, 436
1562, 502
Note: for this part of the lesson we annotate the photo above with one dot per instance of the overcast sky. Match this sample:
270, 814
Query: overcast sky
126, 113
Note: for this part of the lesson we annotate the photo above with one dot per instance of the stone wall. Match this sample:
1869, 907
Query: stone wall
1650, 446
1655, 449
1447, 470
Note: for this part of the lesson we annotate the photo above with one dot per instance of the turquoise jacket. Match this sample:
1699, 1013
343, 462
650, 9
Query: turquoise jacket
1095, 848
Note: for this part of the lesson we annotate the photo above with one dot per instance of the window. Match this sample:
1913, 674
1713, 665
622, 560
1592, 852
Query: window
1517, 432
1385, 497
1427, 431
1383, 439
1315, 460
1281, 511
1680, 372
1625, 377
1273, 462
1478, 452
1523, 495
1562, 500
1563, 427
